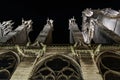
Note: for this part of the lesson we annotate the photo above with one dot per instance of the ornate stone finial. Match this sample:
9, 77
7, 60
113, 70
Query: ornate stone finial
88, 12
29, 22
72, 20
50, 22
6, 23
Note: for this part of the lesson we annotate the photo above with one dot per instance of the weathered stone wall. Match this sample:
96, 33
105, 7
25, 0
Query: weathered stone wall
104, 36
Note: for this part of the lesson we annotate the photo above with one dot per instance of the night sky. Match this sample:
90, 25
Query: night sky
58, 10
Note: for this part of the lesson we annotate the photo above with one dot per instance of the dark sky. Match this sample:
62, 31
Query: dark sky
51, 7
59, 10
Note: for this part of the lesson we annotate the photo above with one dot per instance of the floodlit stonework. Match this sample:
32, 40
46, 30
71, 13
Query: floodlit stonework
82, 59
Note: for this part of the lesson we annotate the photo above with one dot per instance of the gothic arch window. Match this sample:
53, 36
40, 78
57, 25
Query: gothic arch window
108, 61
8, 63
56, 67
112, 75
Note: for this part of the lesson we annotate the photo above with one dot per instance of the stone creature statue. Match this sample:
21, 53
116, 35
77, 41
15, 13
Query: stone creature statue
87, 26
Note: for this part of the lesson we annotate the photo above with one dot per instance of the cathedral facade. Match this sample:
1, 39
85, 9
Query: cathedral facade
93, 53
